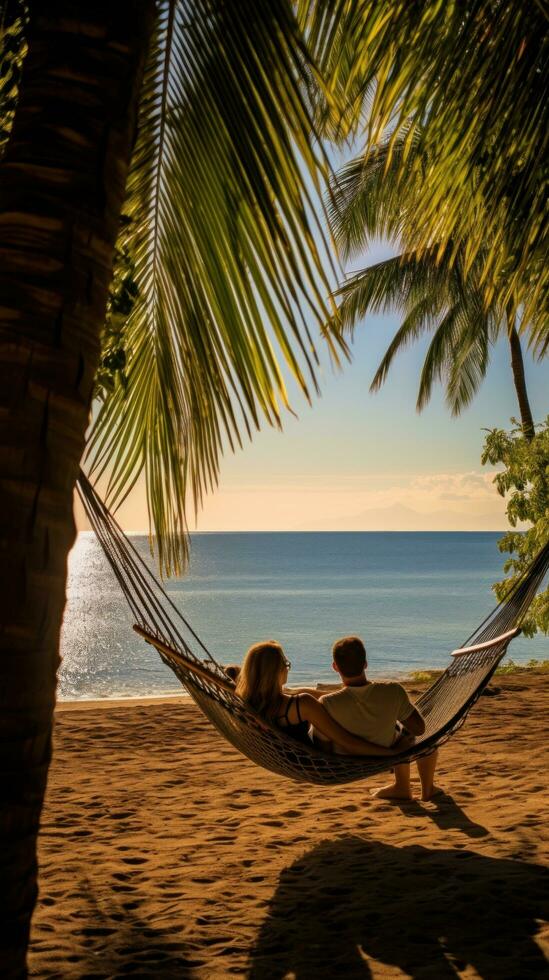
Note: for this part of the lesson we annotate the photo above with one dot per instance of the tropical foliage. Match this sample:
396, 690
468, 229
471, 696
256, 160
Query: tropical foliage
524, 481
221, 201
472, 78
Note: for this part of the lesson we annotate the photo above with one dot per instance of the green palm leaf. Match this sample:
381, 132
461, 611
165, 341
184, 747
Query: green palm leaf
232, 266
466, 369
437, 298
366, 201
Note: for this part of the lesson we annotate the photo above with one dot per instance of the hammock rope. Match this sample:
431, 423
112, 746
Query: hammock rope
159, 621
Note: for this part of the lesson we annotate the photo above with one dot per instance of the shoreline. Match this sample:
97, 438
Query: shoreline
423, 675
148, 699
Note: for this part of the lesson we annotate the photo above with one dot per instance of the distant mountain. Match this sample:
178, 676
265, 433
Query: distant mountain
401, 518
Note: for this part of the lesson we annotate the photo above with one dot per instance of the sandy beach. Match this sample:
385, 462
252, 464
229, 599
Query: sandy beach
166, 854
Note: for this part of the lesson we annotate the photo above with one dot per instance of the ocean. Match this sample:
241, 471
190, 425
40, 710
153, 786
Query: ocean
412, 597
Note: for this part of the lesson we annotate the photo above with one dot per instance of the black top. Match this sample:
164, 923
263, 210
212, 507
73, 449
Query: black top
299, 730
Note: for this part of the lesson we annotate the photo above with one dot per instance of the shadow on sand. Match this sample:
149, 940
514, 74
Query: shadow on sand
443, 811
427, 913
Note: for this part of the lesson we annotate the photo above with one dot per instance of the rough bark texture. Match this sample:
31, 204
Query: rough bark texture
517, 364
62, 186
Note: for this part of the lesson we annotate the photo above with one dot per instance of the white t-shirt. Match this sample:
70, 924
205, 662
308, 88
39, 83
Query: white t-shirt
371, 710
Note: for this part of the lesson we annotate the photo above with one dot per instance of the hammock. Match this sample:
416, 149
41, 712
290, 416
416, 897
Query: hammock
444, 705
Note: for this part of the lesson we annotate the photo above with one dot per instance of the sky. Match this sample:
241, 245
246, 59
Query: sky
360, 461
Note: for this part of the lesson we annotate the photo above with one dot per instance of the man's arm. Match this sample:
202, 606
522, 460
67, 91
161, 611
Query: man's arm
317, 714
321, 741
414, 722
313, 691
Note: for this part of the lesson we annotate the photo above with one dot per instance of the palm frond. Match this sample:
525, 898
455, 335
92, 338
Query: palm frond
467, 368
232, 266
366, 201
535, 321
397, 283
342, 104
436, 297
439, 353
420, 319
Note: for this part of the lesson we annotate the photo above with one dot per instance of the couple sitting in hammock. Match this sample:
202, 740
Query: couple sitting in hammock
361, 718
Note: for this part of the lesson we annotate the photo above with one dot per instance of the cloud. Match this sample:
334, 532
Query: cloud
469, 487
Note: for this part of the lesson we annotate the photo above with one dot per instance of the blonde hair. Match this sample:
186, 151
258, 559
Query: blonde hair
259, 681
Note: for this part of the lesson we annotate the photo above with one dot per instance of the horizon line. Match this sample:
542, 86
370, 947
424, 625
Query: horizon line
488, 530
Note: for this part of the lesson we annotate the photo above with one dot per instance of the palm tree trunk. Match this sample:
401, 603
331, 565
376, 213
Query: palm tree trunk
517, 364
62, 187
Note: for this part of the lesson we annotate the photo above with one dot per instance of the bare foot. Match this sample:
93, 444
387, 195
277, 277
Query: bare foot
428, 794
393, 792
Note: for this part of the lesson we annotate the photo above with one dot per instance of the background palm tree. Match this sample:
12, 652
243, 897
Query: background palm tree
439, 291
473, 77
217, 193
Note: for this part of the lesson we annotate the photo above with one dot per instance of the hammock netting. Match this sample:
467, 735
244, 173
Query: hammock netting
444, 705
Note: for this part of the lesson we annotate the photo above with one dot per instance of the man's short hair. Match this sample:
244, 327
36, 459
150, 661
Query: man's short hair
349, 655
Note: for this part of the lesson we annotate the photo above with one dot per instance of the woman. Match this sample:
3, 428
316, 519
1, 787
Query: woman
260, 683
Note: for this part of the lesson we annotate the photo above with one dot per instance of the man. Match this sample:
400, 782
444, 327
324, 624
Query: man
372, 710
